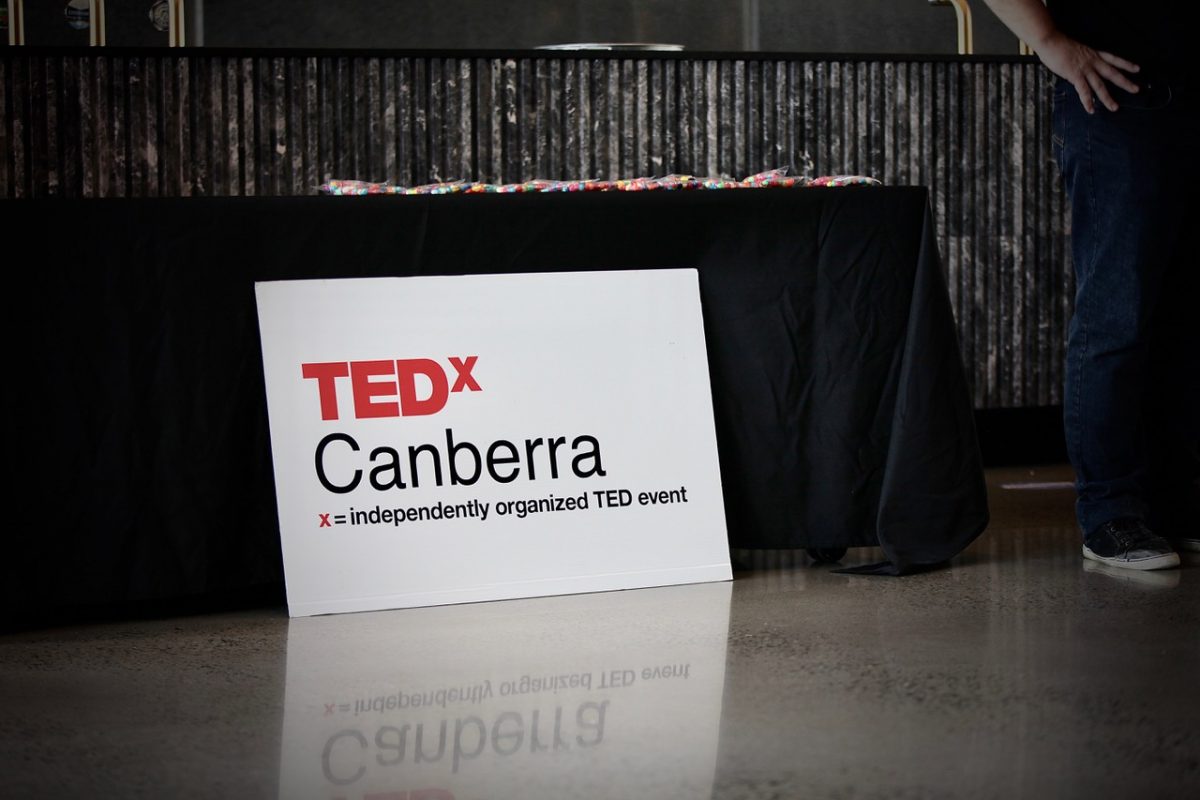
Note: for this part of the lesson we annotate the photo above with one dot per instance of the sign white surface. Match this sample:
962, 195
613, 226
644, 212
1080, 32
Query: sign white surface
443, 440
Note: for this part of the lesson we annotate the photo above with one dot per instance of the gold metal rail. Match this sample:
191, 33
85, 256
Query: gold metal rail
16, 22
97, 31
966, 32
177, 24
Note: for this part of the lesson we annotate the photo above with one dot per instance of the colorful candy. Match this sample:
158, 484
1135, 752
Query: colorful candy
773, 178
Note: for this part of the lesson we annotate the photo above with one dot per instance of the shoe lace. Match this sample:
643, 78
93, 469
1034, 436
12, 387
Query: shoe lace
1130, 534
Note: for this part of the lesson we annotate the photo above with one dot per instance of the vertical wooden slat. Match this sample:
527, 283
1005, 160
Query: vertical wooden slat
196, 111
546, 115
122, 87
335, 124
572, 131
488, 116
38, 97
510, 125
669, 121
175, 150
264, 127
135, 125
71, 124
213, 126
527, 134
7, 120
435, 120
464, 154
610, 166
686, 117
101, 132
291, 117
742, 143
49, 155
232, 71
248, 131
357, 113
711, 152
636, 131
367, 121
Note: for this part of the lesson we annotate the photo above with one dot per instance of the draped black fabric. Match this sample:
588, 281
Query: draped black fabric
141, 448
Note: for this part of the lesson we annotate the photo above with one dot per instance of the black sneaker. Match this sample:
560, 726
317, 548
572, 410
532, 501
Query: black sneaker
1128, 543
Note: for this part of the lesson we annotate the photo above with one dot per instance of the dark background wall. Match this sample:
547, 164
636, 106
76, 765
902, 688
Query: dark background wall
793, 26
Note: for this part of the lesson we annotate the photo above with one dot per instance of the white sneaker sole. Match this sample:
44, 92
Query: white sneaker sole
1164, 561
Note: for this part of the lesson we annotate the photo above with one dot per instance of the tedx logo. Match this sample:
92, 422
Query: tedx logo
404, 387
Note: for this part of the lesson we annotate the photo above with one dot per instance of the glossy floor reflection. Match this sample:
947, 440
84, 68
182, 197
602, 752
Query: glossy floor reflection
1019, 671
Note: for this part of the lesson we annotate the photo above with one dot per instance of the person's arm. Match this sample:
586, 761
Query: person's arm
1086, 69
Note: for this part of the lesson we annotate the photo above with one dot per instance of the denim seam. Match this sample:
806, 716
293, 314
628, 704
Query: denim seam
1089, 269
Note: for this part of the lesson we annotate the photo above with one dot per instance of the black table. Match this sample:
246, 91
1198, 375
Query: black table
140, 441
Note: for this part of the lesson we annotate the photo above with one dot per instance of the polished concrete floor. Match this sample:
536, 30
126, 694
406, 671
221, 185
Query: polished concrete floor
1019, 671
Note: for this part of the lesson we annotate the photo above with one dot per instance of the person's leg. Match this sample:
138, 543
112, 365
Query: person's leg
1124, 213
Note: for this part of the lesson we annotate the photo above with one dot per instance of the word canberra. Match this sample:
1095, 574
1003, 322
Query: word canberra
340, 471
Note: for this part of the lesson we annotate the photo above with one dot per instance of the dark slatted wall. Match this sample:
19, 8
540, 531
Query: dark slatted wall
975, 131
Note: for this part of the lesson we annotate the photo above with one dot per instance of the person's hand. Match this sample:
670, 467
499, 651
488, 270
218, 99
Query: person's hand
1089, 71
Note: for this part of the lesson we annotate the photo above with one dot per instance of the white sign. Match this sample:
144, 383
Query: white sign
445, 440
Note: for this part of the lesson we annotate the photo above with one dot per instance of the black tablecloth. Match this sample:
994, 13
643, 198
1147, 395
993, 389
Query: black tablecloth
140, 441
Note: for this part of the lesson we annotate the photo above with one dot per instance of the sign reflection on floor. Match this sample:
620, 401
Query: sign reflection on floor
614, 694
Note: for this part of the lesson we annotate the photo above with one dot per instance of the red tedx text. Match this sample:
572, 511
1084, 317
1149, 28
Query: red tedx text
387, 388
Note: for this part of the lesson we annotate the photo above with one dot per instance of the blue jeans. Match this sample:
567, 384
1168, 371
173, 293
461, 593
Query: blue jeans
1131, 405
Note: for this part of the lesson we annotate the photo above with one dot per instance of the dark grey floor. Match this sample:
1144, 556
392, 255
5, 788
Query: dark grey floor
1018, 672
